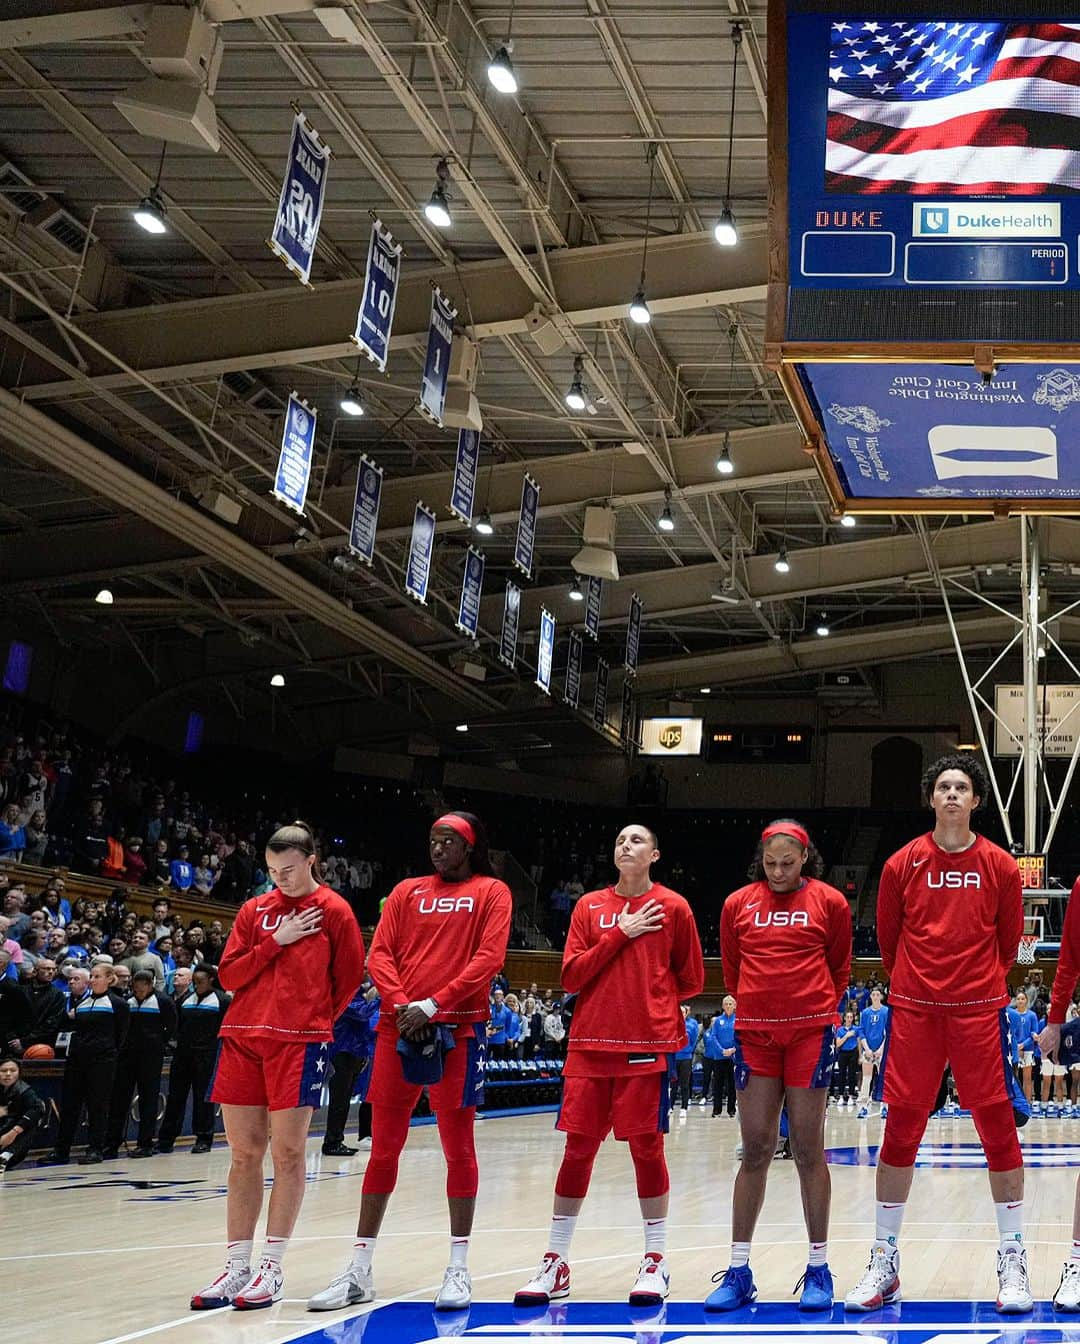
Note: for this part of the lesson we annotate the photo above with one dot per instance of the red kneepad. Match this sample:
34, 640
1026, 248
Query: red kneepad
650, 1165
996, 1126
903, 1134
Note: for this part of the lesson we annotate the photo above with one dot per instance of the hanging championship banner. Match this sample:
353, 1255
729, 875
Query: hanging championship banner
472, 584
545, 651
300, 205
574, 656
599, 708
421, 549
511, 615
365, 514
375, 317
463, 491
633, 636
592, 607
437, 359
626, 728
297, 450
525, 544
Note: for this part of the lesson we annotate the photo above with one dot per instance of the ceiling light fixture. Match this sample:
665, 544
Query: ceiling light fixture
277, 680
666, 523
351, 403
104, 597
781, 564
706, 690
461, 728
639, 309
823, 625
500, 69
848, 520
438, 207
484, 525
725, 232
575, 594
724, 464
149, 214
575, 395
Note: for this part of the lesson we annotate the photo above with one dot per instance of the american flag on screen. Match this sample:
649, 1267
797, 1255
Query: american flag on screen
954, 108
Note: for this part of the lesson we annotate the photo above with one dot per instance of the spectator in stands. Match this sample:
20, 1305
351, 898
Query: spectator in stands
37, 839
199, 1021
160, 870
352, 1051
134, 863
138, 1069
554, 1030
163, 947
178, 984
559, 901
15, 901
142, 959
33, 948
21, 1114
513, 1027
12, 834
721, 1040
91, 839
205, 876
46, 1001
57, 910
15, 1019
34, 786
181, 873
1024, 1024
683, 1060
532, 1036
162, 917
123, 981
11, 948
498, 1019
99, 1028
847, 1060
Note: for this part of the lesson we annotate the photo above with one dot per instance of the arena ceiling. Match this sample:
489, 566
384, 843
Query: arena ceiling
139, 372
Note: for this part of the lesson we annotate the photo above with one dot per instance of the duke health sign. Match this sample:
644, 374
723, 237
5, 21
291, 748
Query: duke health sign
300, 206
926, 431
297, 450
375, 317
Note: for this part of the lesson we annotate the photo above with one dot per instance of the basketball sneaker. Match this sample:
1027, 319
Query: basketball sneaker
653, 1282
817, 1289
1014, 1290
1067, 1297
736, 1289
884, 1112
550, 1282
880, 1283
263, 1290
456, 1291
347, 1290
222, 1292
864, 1111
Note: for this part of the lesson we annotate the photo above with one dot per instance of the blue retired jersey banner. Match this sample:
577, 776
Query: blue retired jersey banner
937, 431
365, 514
472, 585
574, 656
421, 549
633, 636
463, 491
375, 318
300, 206
525, 545
297, 450
599, 708
592, 607
437, 359
511, 616
545, 650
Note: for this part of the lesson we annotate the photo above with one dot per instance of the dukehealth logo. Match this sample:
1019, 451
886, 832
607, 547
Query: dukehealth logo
939, 220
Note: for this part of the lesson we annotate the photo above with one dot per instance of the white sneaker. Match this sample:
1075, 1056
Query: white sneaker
456, 1291
1067, 1297
347, 1290
263, 1290
653, 1282
1014, 1290
880, 1283
223, 1290
364, 1143
550, 1282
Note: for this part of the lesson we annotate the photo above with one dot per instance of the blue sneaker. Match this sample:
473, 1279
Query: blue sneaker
737, 1289
884, 1110
817, 1289
864, 1111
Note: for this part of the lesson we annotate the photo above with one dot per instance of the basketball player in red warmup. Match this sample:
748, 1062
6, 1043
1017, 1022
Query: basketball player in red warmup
438, 943
293, 961
1067, 1297
787, 927
632, 956
949, 920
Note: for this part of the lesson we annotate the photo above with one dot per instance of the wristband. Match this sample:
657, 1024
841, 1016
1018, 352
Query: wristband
427, 1006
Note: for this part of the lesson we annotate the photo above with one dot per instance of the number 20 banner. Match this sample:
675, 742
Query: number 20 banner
375, 317
300, 206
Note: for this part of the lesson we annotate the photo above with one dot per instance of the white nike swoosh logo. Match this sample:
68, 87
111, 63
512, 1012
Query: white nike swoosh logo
753, 906
260, 908
596, 907
915, 862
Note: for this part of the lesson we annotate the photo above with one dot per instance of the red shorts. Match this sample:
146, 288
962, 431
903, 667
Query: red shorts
634, 1103
462, 1083
919, 1044
280, 1075
801, 1056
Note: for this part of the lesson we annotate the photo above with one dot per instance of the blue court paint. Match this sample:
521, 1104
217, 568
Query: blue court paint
768, 1322
969, 1155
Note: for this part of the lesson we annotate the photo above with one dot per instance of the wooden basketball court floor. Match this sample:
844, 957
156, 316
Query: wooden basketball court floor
108, 1254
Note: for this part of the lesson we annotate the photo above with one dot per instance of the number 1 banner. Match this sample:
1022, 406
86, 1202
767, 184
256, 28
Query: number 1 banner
437, 359
376, 315
300, 206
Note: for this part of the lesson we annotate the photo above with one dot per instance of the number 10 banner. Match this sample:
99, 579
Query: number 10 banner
437, 359
376, 315
300, 206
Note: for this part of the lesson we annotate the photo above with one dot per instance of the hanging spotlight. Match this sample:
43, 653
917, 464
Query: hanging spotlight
438, 206
781, 563
666, 523
501, 71
823, 625
724, 464
149, 214
705, 690
575, 396
725, 232
104, 597
848, 520
639, 309
351, 402
277, 680
575, 594
461, 728
484, 525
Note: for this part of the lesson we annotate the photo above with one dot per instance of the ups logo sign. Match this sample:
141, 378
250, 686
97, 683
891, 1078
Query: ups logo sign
671, 736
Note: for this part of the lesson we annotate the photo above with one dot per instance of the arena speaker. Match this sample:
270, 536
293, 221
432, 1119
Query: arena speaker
597, 556
176, 103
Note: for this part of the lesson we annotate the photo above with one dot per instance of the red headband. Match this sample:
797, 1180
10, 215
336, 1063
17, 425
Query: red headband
459, 824
788, 828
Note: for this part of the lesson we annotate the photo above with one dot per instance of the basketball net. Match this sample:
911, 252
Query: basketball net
1025, 954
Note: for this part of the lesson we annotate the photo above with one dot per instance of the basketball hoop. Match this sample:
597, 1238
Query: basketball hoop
1025, 954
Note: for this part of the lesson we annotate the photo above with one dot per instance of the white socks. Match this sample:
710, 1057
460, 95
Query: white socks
740, 1254
562, 1233
1074, 1254
1010, 1222
362, 1251
274, 1249
655, 1235
459, 1249
888, 1219
238, 1254
819, 1253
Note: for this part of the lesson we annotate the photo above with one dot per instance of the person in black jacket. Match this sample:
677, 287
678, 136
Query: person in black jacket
98, 1029
200, 1018
21, 1114
46, 1005
152, 1027
14, 1011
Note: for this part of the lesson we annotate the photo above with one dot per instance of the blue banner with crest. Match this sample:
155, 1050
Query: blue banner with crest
297, 452
365, 514
421, 550
511, 616
463, 491
300, 205
472, 585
